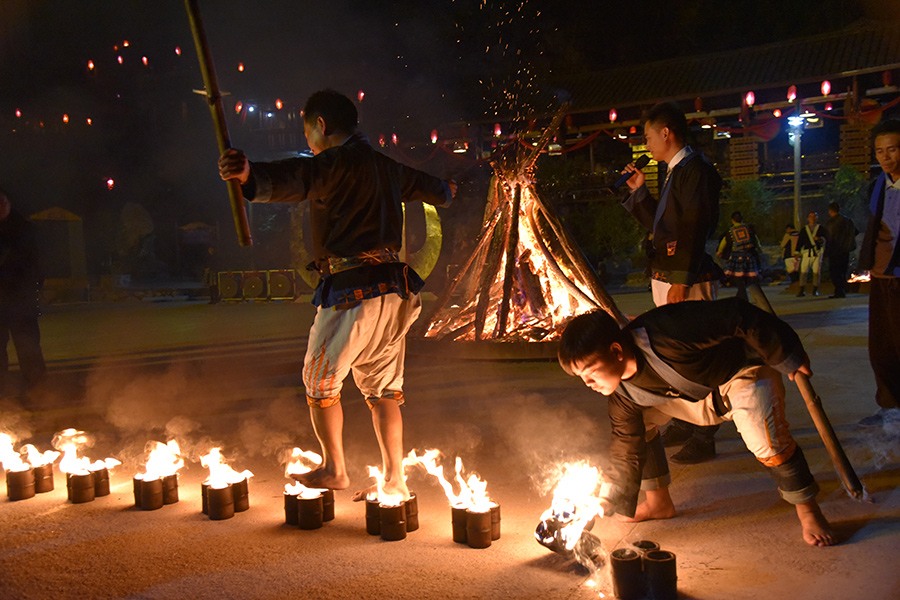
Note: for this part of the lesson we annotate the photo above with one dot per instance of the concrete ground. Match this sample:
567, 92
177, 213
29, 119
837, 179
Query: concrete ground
226, 374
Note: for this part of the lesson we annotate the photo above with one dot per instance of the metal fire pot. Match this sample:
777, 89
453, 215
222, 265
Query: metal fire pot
645, 546
660, 575
478, 529
20, 484
290, 509
170, 488
136, 484
373, 517
43, 478
80, 487
101, 482
204, 497
328, 505
458, 522
241, 491
393, 522
152, 494
495, 522
627, 579
220, 503
412, 513
309, 512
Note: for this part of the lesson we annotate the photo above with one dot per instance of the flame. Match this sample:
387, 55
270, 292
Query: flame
11, 460
36, 458
301, 461
472, 490
381, 495
220, 474
163, 460
576, 501
70, 442
861, 277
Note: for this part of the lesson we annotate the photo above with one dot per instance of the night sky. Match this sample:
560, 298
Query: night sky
422, 65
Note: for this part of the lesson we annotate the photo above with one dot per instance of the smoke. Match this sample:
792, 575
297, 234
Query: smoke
882, 444
14, 420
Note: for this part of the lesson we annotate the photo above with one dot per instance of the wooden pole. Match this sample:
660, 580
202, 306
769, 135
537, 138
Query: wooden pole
214, 99
842, 465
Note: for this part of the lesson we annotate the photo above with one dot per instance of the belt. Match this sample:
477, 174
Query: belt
336, 264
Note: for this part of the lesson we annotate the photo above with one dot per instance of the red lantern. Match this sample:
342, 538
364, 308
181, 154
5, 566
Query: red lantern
144, 60
750, 99
776, 113
886, 78
18, 113
178, 50
497, 130
90, 65
279, 104
792, 93
434, 136
65, 118
381, 141
698, 104
238, 107
613, 115
394, 138
360, 95
828, 106
241, 67
826, 87
633, 129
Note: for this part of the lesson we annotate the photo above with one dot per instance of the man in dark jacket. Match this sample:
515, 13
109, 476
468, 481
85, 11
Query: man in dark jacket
367, 299
880, 255
681, 221
20, 283
703, 362
841, 242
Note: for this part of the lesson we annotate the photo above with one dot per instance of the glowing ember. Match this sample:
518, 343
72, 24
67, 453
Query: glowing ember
70, 442
220, 474
861, 277
472, 493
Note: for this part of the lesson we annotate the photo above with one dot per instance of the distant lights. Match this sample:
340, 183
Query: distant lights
632, 130
360, 95
119, 59
125, 44
381, 141
826, 87
795, 121
89, 121
750, 99
18, 113
279, 104
238, 107
251, 108
460, 147
792, 93
828, 106
269, 115
434, 136
65, 118
394, 139
498, 131
776, 113
613, 115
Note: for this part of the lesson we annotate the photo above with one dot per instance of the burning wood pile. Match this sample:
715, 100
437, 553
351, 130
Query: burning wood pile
526, 276
158, 484
85, 479
474, 517
226, 491
28, 471
304, 507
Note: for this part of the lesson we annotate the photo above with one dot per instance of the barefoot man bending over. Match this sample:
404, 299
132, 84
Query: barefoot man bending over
367, 299
705, 363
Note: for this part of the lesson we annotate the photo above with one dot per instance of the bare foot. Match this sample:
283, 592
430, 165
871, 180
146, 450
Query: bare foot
390, 488
322, 479
816, 529
657, 505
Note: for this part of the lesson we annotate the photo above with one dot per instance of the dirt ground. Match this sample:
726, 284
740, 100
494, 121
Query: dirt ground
227, 375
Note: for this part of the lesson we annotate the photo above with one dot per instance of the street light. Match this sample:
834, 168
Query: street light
795, 132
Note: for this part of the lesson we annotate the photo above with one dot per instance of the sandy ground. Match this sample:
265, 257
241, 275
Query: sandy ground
225, 375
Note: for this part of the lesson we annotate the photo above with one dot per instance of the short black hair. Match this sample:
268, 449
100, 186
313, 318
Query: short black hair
835, 207
336, 109
737, 216
886, 126
668, 114
588, 334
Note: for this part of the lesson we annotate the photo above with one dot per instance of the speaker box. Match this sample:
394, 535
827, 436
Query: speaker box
282, 284
230, 285
253, 285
